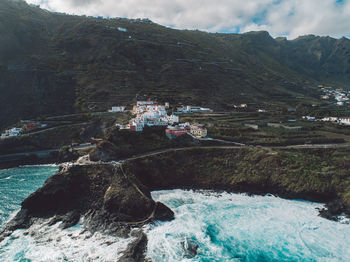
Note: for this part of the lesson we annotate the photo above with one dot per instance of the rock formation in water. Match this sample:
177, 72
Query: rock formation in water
115, 198
101, 194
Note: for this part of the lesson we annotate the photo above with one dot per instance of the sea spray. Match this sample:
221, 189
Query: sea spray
42, 242
237, 227
208, 226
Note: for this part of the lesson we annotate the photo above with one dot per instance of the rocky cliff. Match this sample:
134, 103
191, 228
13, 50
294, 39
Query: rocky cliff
102, 195
113, 198
320, 175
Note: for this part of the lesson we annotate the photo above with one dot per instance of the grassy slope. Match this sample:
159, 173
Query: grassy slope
54, 63
314, 174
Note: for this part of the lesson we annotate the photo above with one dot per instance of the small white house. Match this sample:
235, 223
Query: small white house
309, 118
240, 106
122, 29
173, 119
117, 109
197, 109
145, 103
330, 119
198, 132
345, 121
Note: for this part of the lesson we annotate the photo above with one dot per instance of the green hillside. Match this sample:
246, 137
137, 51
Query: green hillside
53, 63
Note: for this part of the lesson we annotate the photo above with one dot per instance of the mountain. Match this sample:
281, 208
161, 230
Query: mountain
53, 63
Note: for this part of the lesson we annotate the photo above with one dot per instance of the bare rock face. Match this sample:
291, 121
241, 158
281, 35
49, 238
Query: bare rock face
105, 151
135, 250
103, 195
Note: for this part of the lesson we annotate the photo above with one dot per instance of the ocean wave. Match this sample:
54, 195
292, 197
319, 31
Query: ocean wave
44, 243
238, 227
39, 165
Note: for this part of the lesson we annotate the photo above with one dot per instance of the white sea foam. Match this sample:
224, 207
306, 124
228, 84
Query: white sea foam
50, 243
226, 227
39, 165
236, 227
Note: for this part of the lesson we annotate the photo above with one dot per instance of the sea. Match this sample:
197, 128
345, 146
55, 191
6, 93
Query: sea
220, 227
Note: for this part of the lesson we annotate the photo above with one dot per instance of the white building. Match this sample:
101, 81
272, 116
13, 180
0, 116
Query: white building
309, 118
197, 109
12, 132
149, 113
184, 125
117, 109
341, 97
122, 29
192, 109
240, 106
330, 119
345, 121
198, 132
145, 103
172, 119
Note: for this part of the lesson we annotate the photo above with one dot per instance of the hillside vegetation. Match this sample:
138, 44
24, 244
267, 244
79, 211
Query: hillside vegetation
312, 174
53, 63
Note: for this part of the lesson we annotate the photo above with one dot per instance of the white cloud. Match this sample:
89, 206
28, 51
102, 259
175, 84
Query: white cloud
280, 17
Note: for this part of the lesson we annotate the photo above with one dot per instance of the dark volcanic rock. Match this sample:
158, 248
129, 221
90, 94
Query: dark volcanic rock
163, 212
334, 209
103, 195
135, 250
250, 171
190, 248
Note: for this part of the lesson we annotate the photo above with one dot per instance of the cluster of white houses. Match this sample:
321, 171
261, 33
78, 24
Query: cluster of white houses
28, 126
338, 120
338, 94
12, 132
192, 109
150, 113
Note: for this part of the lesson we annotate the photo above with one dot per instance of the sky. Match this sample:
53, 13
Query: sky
289, 18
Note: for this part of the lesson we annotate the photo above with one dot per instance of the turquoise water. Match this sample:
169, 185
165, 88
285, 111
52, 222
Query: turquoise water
18, 183
44, 243
226, 227
237, 227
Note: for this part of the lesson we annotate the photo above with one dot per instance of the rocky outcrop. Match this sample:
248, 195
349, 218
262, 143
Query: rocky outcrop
290, 174
135, 251
115, 198
190, 248
100, 194
334, 209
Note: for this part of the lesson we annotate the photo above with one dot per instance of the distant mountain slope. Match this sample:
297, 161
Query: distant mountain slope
53, 63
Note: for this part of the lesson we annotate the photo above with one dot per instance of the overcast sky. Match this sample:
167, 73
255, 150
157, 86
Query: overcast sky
289, 18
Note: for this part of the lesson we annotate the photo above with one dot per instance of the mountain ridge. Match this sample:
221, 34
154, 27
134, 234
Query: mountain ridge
52, 63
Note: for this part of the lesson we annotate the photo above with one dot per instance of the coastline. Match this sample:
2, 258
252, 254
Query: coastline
32, 161
238, 170
115, 197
